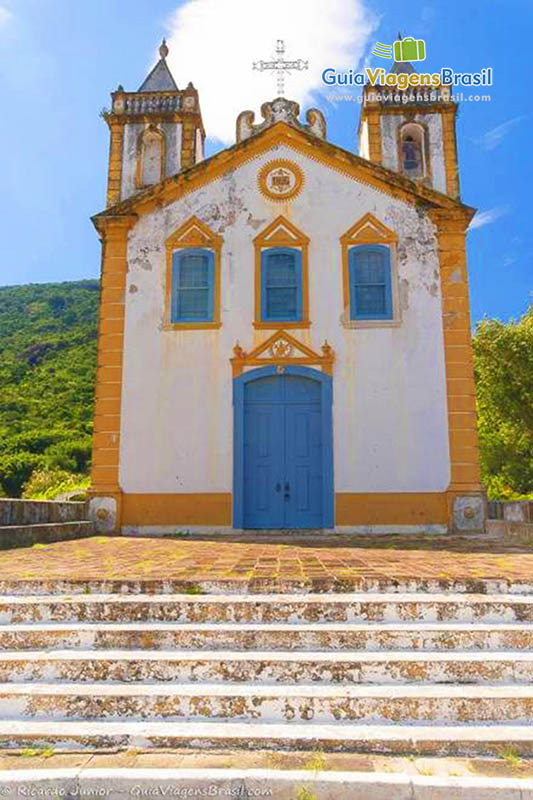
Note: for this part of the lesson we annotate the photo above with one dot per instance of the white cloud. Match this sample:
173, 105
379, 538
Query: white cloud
491, 139
213, 43
5, 15
482, 218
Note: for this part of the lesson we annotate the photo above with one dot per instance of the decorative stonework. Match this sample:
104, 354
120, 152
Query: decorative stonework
469, 514
280, 179
282, 349
281, 110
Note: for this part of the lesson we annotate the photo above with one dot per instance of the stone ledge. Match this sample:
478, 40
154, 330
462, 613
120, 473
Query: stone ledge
14, 511
279, 784
12, 536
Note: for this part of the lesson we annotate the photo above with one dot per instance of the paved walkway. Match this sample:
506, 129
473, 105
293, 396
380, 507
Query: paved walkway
255, 556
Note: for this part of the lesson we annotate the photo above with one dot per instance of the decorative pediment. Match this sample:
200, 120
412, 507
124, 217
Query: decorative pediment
368, 230
193, 233
280, 110
279, 350
281, 233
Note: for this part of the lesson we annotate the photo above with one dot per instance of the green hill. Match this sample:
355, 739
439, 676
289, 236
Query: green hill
47, 368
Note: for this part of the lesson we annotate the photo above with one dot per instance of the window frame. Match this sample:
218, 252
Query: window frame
177, 257
353, 251
265, 253
420, 131
281, 233
368, 230
140, 155
193, 235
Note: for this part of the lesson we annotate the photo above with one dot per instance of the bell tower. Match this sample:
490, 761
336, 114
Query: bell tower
412, 130
155, 132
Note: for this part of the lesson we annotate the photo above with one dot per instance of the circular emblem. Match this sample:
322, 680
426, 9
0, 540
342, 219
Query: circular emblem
280, 179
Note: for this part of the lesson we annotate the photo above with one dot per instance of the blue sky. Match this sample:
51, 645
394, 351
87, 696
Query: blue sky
61, 58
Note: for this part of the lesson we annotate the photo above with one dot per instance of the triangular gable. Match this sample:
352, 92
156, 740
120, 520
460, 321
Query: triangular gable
193, 233
281, 233
279, 350
369, 230
281, 134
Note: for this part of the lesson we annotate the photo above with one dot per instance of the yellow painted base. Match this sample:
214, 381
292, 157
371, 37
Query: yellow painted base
176, 509
424, 508
391, 508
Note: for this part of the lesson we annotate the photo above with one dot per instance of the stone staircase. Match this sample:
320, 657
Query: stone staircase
24, 523
395, 671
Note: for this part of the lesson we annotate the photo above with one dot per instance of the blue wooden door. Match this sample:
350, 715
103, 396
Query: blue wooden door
283, 481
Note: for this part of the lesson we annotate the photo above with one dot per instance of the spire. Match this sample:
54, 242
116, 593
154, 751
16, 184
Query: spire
160, 78
402, 66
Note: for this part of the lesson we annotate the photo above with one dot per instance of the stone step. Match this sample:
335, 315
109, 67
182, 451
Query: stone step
280, 585
281, 784
323, 636
267, 667
272, 704
12, 536
467, 740
375, 608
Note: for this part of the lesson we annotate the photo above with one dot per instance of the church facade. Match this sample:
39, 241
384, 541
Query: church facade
284, 333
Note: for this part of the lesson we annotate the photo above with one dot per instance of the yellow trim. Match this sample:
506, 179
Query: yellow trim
281, 233
368, 230
280, 163
391, 508
206, 508
114, 172
139, 166
176, 509
278, 350
193, 233
373, 122
449, 140
106, 437
462, 421
281, 134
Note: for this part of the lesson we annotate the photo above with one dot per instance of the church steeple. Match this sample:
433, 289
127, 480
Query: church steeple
160, 78
155, 132
412, 129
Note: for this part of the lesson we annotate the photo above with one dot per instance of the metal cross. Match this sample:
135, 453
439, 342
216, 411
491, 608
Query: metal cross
281, 66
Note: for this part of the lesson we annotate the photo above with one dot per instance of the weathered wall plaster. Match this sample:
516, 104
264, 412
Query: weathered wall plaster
390, 419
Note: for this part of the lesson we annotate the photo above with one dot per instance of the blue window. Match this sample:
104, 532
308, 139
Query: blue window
281, 284
370, 282
193, 278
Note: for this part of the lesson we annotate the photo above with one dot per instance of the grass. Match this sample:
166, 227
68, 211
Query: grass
33, 752
316, 763
193, 588
425, 771
510, 756
305, 794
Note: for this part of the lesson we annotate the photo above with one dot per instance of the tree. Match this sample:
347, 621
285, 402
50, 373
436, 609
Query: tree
503, 364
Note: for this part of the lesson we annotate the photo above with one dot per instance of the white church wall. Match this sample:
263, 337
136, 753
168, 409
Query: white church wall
129, 159
364, 151
390, 418
172, 132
